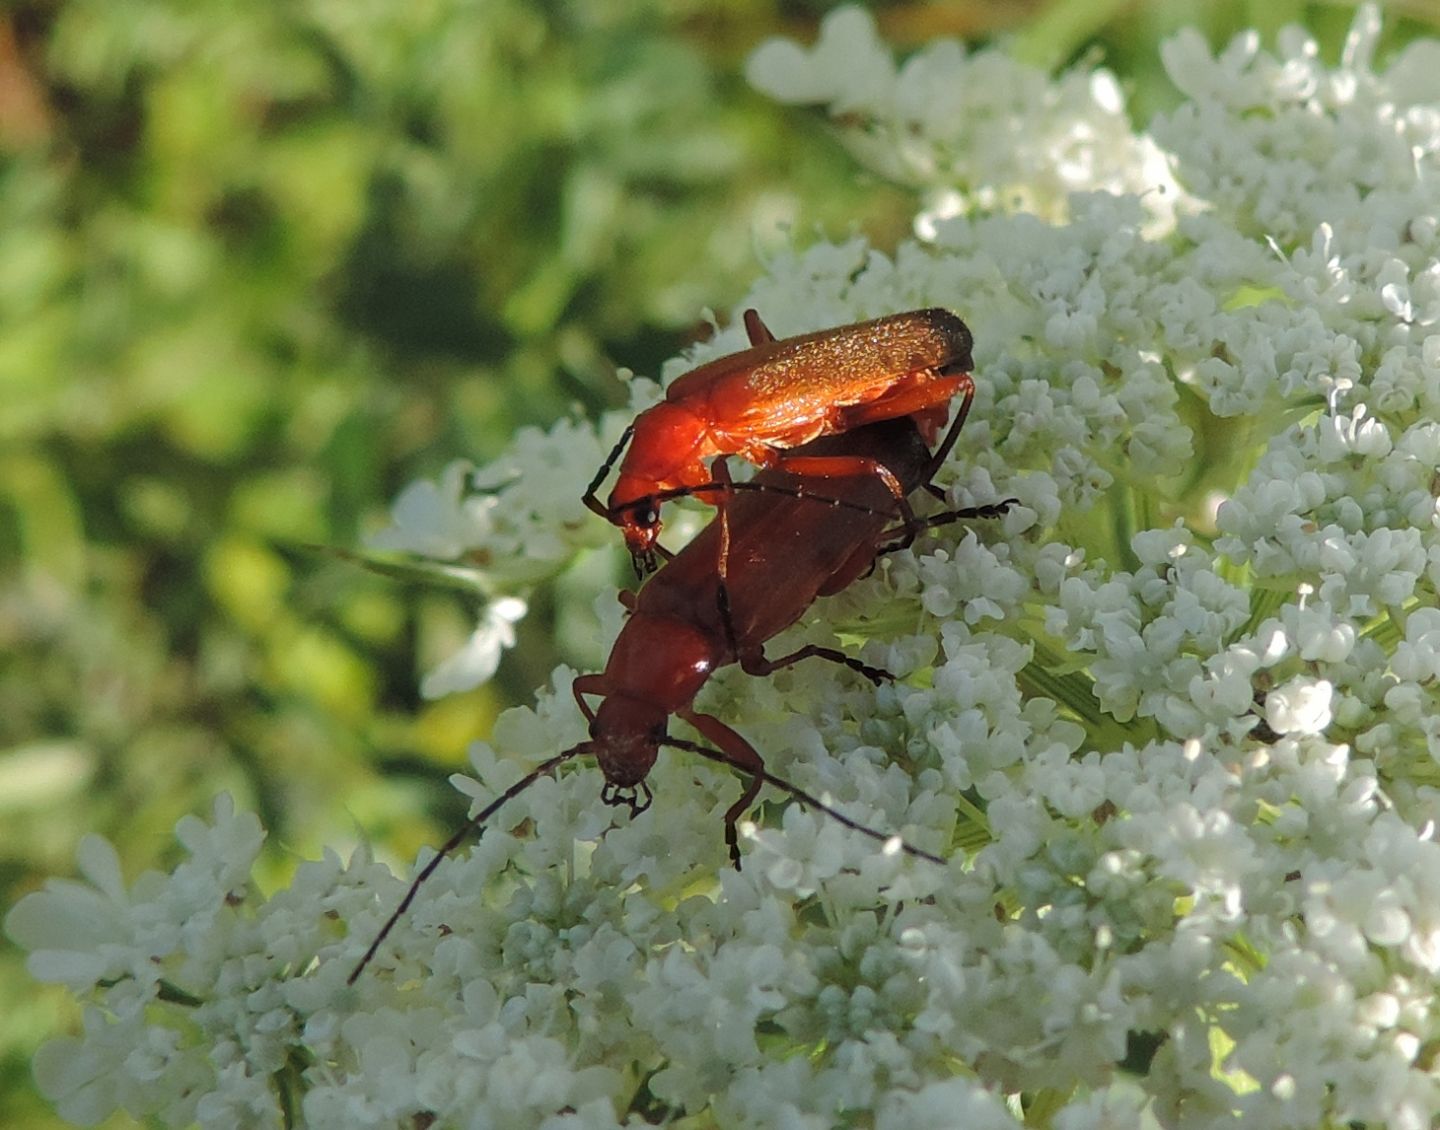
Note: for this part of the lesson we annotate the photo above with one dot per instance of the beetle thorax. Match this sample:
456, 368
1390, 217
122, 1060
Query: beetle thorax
665, 453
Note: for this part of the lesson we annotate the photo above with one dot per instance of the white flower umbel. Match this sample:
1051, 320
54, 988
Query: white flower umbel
968, 130
1174, 720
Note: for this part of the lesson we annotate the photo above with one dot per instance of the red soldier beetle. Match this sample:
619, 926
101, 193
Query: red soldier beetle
778, 395
685, 624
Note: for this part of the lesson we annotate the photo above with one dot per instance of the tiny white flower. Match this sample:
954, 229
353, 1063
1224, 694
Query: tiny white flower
1301, 706
478, 660
437, 519
1417, 656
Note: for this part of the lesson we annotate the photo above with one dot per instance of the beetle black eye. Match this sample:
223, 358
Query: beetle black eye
647, 514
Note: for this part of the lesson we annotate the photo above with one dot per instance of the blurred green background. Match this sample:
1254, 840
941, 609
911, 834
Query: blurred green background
261, 265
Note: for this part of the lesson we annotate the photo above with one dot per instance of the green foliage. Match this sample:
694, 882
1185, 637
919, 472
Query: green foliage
260, 265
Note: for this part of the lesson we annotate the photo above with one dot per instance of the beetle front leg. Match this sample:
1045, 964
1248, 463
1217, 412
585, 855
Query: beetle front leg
740, 754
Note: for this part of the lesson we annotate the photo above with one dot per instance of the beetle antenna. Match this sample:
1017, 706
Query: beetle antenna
475, 822
716, 486
589, 498
946, 517
808, 799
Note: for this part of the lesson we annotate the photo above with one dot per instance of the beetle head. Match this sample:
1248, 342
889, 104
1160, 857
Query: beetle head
665, 455
640, 525
625, 738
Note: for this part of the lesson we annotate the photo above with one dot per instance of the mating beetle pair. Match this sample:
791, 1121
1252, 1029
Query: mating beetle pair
854, 408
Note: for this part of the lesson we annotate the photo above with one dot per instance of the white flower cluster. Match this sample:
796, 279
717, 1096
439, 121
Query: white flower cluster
498, 529
1182, 756
970, 131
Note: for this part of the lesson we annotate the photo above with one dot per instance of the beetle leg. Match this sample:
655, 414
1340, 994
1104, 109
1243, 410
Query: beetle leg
836, 466
589, 684
755, 663
911, 395
937, 460
740, 754
758, 332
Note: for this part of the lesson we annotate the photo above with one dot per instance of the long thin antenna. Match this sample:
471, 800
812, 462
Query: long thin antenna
546, 767
803, 797
715, 486
945, 517
595, 505
476, 821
